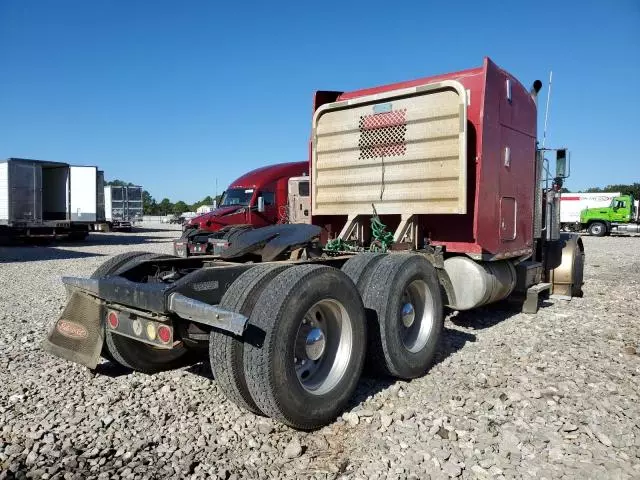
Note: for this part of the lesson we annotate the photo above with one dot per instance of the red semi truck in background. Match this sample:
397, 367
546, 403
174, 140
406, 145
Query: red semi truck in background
424, 194
264, 196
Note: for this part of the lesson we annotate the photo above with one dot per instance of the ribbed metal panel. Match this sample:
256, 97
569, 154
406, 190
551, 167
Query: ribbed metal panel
25, 195
405, 152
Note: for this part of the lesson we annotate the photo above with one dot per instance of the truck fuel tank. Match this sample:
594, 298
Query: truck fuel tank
479, 283
627, 228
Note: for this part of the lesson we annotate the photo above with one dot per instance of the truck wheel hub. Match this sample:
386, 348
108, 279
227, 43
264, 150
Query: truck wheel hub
408, 314
417, 315
315, 343
323, 346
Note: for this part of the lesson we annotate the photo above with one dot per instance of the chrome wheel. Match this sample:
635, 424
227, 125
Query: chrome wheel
417, 316
323, 346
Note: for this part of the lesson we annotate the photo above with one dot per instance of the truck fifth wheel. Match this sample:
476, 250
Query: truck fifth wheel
424, 194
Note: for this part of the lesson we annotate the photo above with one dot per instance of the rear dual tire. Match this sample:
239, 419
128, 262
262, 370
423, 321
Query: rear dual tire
226, 351
401, 295
305, 365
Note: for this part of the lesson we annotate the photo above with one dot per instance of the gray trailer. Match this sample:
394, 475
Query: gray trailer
34, 199
122, 206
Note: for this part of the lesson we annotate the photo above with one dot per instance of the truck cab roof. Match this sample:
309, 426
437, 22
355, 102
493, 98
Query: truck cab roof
271, 173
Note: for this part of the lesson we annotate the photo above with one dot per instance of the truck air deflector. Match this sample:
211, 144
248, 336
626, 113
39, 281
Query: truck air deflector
404, 150
200, 312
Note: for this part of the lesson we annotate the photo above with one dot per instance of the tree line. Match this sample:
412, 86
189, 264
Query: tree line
624, 189
167, 207
150, 206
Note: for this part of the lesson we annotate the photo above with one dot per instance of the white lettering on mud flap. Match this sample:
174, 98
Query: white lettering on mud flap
71, 329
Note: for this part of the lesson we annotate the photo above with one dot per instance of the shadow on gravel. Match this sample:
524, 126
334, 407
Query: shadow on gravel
372, 383
481, 318
201, 369
159, 229
489, 316
116, 239
137, 230
38, 253
112, 369
452, 340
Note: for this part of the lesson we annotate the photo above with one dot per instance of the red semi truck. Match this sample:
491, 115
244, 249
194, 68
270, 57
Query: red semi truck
425, 194
259, 198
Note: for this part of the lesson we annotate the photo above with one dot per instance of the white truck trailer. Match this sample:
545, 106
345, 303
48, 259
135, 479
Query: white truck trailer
35, 200
87, 196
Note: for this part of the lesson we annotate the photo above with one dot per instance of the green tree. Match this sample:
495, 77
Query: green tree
631, 189
205, 201
180, 207
119, 183
165, 206
149, 204
624, 189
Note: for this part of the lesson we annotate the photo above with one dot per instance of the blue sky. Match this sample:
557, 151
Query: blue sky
173, 95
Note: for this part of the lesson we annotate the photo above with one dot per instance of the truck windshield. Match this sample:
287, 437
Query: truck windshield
236, 196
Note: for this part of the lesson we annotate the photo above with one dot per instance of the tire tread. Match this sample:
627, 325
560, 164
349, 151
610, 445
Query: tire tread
376, 292
267, 313
226, 351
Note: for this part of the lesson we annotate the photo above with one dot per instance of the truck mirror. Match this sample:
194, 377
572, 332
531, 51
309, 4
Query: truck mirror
562, 163
260, 204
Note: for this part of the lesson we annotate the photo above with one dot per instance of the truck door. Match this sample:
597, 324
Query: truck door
118, 203
84, 188
299, 201
621, 210
270, 214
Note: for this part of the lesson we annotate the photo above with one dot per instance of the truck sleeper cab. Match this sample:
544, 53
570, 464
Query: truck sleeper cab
256, 199
407, 217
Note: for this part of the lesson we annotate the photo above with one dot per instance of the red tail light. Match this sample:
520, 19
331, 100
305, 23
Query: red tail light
164, 333
113, 320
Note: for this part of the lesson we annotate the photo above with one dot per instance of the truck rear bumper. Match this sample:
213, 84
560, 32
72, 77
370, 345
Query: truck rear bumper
182, 247
78, 334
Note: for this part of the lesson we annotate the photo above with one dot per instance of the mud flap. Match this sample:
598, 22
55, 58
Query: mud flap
78, 334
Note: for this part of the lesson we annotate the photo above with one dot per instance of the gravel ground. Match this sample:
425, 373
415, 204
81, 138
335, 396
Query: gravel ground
554, 395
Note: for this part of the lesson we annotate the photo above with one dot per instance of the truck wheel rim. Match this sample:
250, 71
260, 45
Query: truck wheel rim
596, 229
323, 346
416, 316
